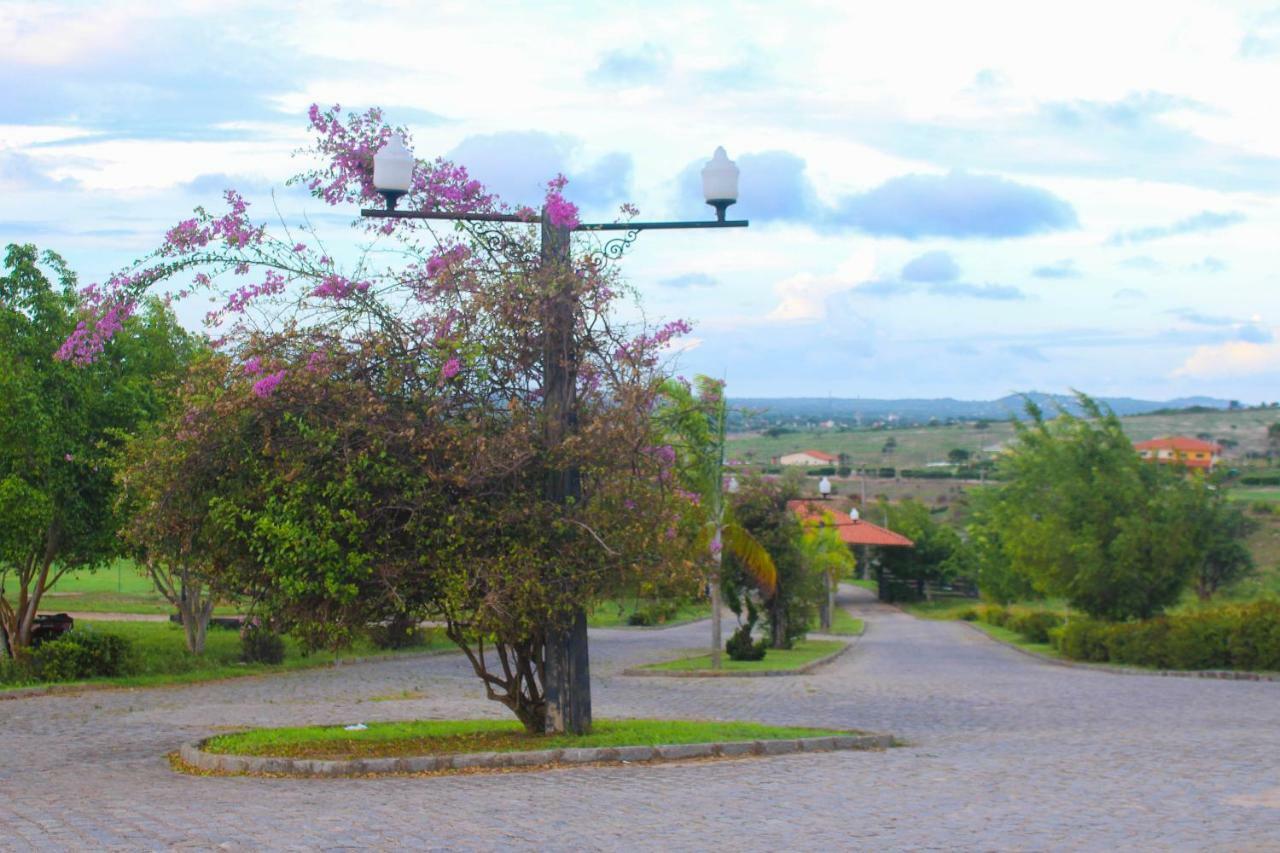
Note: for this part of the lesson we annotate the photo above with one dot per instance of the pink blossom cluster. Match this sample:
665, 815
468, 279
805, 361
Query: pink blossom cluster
265, 386
83, 346
561, 213
334, 286
233, 228
444, 257
239, 300
644, 347
450, 368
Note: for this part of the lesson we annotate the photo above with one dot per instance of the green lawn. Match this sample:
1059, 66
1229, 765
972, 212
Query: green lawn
434, 737
1254, 493
872, 585
842, 624
804, 651
617, 613
160, 655
1016, 639
117, 588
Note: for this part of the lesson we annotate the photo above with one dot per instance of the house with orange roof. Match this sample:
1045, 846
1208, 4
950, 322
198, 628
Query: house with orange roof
808, 457
1180, 450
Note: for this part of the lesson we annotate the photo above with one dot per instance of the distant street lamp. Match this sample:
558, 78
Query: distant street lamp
824, 487
732, 486
566, 667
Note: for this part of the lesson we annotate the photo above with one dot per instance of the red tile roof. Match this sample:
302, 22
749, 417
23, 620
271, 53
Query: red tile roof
816, 454
1180, 443
852, 532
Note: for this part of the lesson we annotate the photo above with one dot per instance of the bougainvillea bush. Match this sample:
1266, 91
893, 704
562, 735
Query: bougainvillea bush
373, 439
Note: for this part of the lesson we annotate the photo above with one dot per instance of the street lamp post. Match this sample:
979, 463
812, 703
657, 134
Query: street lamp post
566, 668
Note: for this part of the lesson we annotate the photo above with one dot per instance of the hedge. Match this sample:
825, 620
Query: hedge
1229, 636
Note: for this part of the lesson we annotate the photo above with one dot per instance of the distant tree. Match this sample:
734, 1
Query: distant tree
1221, 529
939, 555
890, 445
958, 456
1273, 437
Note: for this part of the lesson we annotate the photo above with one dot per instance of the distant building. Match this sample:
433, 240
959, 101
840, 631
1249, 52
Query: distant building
807, 457
1180, 450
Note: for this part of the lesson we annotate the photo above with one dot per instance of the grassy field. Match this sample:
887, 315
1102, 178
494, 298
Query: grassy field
804, 651
842, 624
160, 655
616, 614
437, 737
117, 588
918, 446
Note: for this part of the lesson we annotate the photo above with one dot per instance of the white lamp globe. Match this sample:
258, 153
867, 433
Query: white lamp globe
824, 487
393, 169
720, 182
732, 485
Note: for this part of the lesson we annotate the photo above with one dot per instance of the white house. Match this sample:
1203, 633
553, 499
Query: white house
807, 457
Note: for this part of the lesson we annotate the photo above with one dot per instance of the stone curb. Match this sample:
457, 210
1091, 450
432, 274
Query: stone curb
60, 689
192, 755
849, 642
1220, 674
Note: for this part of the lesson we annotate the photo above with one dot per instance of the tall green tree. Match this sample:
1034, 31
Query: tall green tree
1086, 520
694, 421
940, 555
61, 427
1221, 528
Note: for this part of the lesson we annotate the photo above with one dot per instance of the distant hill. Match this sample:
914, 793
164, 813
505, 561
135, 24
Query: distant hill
921, 410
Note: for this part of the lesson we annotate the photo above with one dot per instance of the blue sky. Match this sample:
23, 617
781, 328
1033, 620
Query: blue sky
946, 199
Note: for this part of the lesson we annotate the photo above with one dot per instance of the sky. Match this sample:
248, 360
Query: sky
946, 199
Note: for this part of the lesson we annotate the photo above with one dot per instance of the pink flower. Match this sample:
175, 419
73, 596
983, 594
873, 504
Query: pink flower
253, 366
450, 368
69, 457
267, 384
562, 213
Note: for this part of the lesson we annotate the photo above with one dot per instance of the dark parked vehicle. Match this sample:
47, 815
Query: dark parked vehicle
48, 626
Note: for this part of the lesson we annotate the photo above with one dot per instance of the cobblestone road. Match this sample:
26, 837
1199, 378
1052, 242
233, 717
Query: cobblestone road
1005, 753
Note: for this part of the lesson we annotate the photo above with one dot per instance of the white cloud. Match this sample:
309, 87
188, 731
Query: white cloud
1236, 358
803, 296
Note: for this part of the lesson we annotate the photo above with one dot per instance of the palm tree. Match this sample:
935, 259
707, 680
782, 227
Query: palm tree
824, 551
695, 425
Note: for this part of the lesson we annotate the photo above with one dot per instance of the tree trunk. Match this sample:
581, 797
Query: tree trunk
828, 606
195, 622
717, 643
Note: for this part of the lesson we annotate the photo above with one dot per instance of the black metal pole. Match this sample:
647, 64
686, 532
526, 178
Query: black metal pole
567, 675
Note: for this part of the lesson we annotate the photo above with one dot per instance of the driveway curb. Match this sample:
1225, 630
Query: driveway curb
192, 755
1219, 674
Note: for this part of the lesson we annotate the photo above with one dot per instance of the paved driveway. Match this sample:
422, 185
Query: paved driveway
1005, 753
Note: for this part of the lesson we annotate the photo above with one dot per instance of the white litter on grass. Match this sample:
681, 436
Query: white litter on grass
358, 727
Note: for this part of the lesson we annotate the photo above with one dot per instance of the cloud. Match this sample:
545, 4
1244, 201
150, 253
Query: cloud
1146, 263
1262, 41
1209, 265
1236, 358
1026, 352
19, 171
806, 296
1064, 268
689, 279
1129, 294
1188, 315
1254, 334
935, 273
214, 183
645, 64
957, 204
1205, 220
517, 165
1137, 137
931, 266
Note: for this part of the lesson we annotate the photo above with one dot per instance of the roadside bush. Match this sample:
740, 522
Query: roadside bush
1083, 639
398, 633
1244, 636
1260, 480
1034, 625
821, 471
259, 645
653, 613
741, 647
969, 615
1263, 507
82, 654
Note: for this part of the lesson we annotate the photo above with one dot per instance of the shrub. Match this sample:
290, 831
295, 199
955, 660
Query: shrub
398, 633
821, 471
259, 645
1263, 507
969, 614
82, 654
653, 613
741, 647
1083, 639
1034, 625
1260, 480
